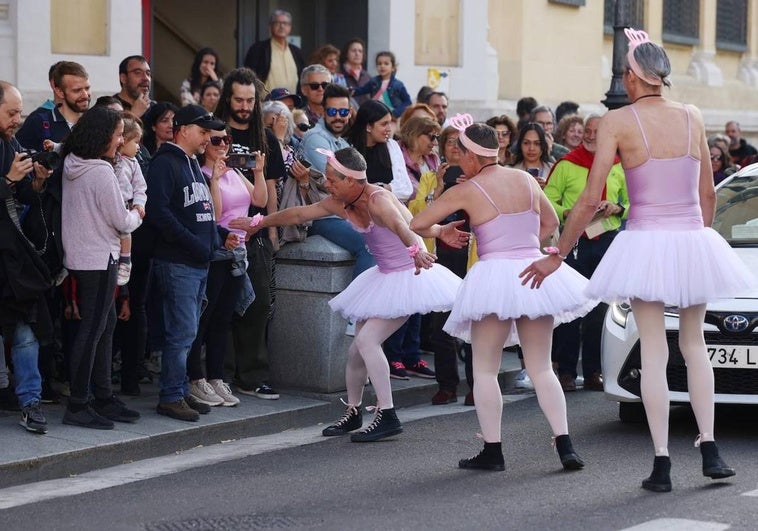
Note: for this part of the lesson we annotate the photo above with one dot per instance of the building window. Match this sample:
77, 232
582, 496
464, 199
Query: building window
681, 21
79, 27
636, 16
731, 25
437, 32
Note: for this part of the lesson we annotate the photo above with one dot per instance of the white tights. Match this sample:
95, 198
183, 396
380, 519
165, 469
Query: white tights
365, 357
654, 354
487, 339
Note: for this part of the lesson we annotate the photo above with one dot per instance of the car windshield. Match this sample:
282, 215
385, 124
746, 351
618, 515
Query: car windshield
737, 210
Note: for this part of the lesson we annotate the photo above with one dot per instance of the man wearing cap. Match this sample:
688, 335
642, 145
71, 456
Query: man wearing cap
180, 211
292, 101
277, 62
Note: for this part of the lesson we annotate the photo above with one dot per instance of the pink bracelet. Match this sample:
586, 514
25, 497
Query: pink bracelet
255, 220
554, 250
413, 250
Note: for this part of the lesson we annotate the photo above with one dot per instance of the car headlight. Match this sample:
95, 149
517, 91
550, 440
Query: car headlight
620, 313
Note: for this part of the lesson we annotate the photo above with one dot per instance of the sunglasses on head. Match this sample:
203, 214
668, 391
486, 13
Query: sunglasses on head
204, 118
316, 86
344, 112
218, 140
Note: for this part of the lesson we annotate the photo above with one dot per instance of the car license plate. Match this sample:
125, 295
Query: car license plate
733, 356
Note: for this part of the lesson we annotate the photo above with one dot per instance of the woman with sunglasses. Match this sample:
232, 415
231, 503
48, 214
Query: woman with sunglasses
371, 135
506, 134
232, 196
721, 163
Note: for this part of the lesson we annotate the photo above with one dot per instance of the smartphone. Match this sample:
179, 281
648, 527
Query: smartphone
243, 161
304, 162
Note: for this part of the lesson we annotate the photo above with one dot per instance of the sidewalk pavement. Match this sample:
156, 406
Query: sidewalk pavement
68, 450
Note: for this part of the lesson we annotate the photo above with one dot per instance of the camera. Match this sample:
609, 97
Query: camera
48, 159
239, 261
245, 161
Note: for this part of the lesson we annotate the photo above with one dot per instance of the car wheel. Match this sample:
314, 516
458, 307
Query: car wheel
632, 412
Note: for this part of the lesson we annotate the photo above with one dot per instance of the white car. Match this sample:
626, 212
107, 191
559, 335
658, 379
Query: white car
731, 325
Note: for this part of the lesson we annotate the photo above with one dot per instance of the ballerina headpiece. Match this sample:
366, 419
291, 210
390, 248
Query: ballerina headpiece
637, 37
331, 159
461, 123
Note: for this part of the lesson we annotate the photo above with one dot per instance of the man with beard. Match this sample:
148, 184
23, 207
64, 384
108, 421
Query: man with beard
240, 107
566, 182
135, 78
23, 276
328, 134
72, 94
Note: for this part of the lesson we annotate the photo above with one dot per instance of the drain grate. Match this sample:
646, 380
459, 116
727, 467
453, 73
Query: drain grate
250, 522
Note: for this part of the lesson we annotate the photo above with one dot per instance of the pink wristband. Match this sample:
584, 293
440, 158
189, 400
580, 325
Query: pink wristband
255, 220
413, 250
554, 250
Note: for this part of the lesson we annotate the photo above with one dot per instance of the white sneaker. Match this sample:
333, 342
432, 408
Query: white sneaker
523, 381
202, 391
225, 392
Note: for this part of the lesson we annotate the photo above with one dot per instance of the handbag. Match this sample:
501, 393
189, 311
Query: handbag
291, 197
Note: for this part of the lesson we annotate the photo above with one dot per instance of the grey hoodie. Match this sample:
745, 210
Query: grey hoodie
93, 214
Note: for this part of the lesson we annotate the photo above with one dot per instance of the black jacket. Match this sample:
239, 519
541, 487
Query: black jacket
40, 125
258, 59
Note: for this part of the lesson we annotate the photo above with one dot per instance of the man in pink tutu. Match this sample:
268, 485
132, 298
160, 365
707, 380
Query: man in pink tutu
381, 298
668, 255
510, 215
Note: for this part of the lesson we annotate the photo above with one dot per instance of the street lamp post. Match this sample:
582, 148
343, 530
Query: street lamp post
616, 96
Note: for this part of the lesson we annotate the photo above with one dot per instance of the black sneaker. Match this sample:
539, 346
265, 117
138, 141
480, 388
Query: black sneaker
198, 406
9, 400
490, 458
351, 420
397, 371
420, 369
115, 409
32, 418
86, 418
179, 410
385, 424
263, 391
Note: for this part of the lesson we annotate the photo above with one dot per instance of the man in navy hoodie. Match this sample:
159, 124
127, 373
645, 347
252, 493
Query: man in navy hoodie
180, 211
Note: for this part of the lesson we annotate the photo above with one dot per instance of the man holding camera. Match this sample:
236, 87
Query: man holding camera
72, 89
240, 107
24, 277
179, 210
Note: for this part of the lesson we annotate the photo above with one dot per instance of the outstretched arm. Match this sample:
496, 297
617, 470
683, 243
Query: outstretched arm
289, 216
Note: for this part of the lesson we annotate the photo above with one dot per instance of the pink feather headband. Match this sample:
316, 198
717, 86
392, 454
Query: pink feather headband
461, 122
637, 37
331, 159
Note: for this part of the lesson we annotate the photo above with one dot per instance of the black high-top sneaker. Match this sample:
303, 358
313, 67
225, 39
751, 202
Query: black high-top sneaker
385, 424
490, 458
351, 420
713, 466
660, 479
569, 458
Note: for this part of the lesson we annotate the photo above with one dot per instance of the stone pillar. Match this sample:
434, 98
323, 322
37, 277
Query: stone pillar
702, 65
747, 71
307, 341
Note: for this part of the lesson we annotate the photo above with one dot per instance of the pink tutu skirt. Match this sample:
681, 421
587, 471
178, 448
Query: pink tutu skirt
677, 267
494, 287
374, 294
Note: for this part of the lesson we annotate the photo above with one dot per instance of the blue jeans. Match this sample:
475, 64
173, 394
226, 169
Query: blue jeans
178, 290
24, 351
405, 343
339, 231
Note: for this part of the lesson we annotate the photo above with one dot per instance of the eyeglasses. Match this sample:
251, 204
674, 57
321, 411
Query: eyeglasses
545, 125
715, 157
503, 134
451, 142
303, 127
316, 86
433, 137
140, 72
344, 112
281, 23
218, 140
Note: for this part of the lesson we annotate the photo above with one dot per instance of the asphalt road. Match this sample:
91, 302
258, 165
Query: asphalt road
412, 481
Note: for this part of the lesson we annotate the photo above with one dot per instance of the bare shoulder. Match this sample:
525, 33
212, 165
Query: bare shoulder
695, 113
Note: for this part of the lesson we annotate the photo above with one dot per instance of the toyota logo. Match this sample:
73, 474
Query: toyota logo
736, 323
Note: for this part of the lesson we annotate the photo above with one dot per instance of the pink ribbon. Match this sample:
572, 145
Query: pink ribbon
461, 122
414, 249
332, 160
255, 220
637, 37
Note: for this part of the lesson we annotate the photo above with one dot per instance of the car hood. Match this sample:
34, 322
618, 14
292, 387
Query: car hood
745, 301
